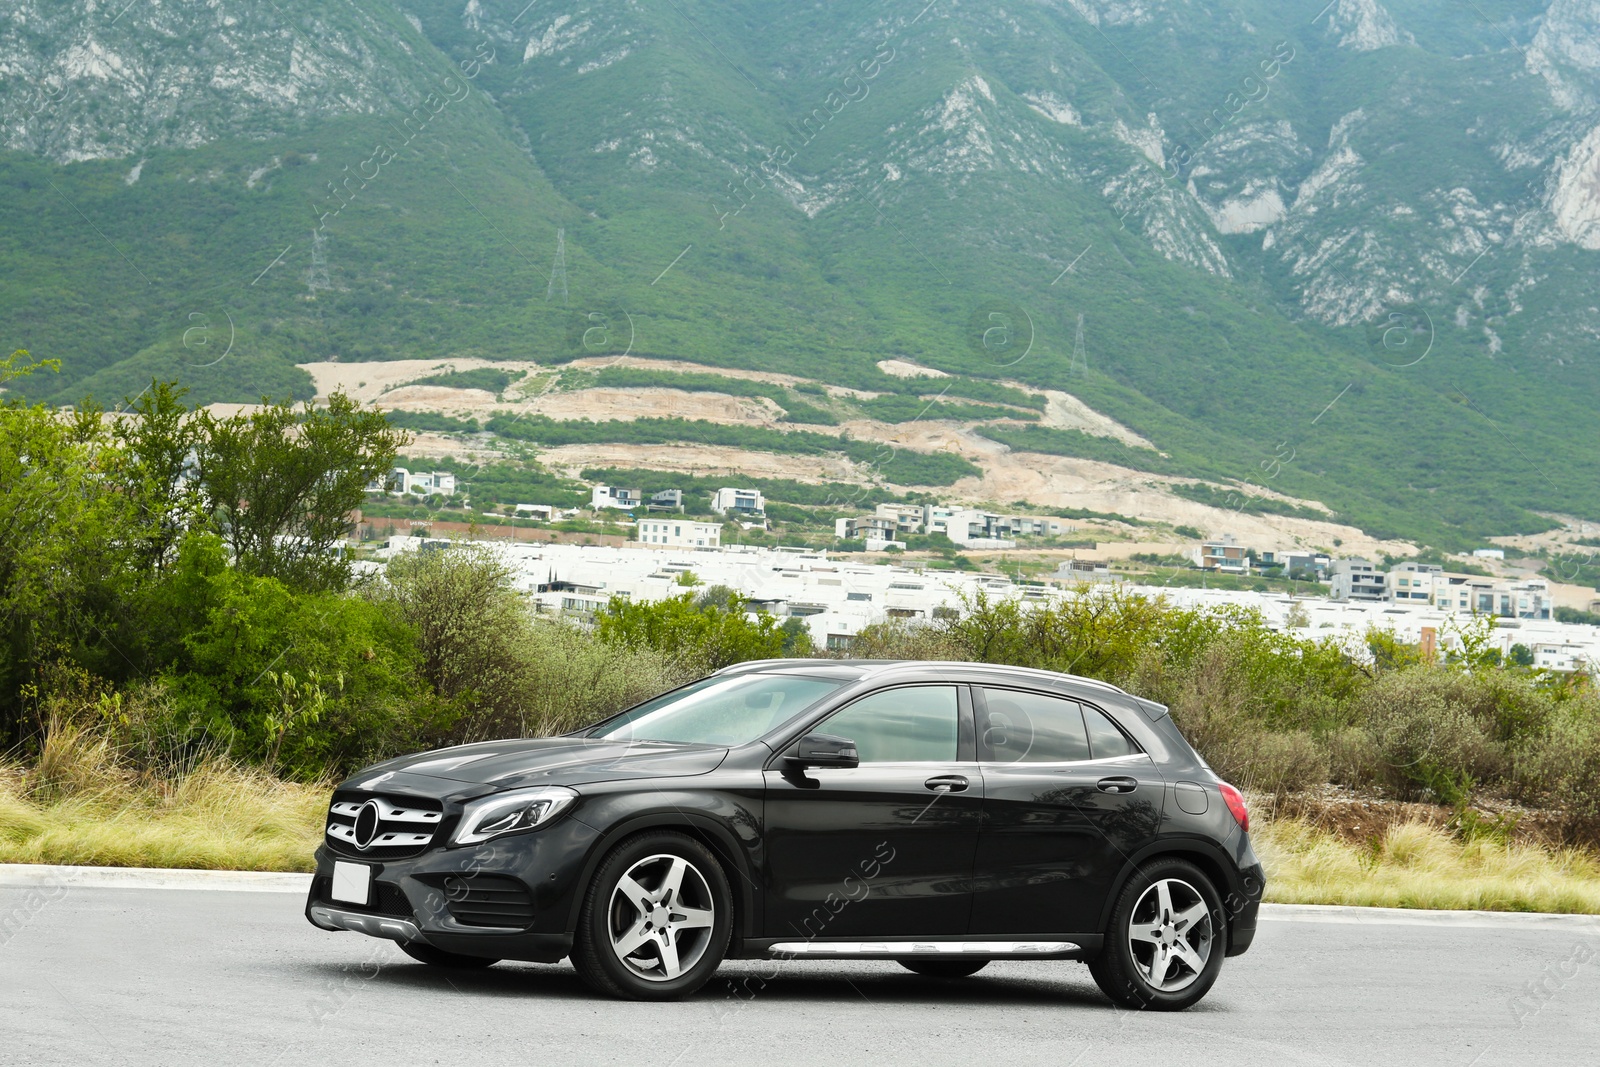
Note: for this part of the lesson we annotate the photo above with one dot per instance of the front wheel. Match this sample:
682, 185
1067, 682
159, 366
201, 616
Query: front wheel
656, 919
1164, 946
944, 968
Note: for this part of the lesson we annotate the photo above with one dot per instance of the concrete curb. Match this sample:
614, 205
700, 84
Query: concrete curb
1345, 913
37, 874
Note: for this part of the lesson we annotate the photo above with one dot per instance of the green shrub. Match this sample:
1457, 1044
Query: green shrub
1427, 737
700, 638
575, 679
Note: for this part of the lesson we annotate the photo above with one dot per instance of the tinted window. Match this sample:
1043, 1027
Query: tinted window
720, 711
1031, 728
1104, 737
914, 723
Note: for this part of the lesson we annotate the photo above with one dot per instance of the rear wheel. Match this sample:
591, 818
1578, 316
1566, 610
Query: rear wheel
438, 957
1164, 946
944, 968
656, 919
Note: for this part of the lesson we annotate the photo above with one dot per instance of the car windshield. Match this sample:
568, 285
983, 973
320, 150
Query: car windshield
720, 711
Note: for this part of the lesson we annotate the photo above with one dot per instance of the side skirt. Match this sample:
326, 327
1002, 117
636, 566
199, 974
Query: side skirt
921, 948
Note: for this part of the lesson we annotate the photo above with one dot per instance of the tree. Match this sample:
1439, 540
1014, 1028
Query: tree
59, 555
281, 484
703, 638
468, 620
159, 445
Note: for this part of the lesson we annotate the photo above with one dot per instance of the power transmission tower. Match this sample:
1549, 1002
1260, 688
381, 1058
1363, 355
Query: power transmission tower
558, 273
317, 276
1080, 359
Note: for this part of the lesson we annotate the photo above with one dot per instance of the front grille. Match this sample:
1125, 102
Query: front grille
386, 899
484, 899
391, 827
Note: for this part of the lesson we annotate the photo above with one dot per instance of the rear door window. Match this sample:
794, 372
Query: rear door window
1106, 739
1019, 727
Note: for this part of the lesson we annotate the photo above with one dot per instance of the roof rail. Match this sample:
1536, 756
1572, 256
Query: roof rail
1035, 672
882, 665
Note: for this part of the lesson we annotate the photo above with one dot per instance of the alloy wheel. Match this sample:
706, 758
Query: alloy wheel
1170, 935
661, 916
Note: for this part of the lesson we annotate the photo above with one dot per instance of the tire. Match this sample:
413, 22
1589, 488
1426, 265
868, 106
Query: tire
438, 957
656, 919
1166, 939
944, 968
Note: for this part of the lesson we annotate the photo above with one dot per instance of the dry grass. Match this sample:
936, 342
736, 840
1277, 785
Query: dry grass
1414, 865
216, 816
83, 803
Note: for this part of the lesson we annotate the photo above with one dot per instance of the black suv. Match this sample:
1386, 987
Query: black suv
941, 815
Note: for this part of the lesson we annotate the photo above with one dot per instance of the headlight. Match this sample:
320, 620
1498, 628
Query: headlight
520, 810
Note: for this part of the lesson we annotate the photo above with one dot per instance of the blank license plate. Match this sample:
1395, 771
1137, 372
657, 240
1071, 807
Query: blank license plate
352, 882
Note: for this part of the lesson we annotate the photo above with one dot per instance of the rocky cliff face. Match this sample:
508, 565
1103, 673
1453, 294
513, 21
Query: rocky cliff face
99, 80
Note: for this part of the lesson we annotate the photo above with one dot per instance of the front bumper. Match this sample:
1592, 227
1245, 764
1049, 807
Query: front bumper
437, 898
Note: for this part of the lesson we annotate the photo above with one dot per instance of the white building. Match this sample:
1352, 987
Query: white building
744, 503
906, 518
1356, 579
838, 598
680, 533
425, 483
1415, 581
967, 527
1226, 556
610, 496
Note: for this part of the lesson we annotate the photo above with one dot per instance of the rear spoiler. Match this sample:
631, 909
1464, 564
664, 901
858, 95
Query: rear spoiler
1152, 711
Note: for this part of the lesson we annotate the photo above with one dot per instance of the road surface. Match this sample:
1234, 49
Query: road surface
198, 976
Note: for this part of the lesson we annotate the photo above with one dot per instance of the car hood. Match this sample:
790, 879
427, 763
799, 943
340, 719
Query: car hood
543, 761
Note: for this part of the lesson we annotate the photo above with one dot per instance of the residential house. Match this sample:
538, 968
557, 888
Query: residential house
743, 503
610, 496
424, 483
1224, 555
1413, 581
907, 518
1357, 579
666, 500
880, 532
680, 533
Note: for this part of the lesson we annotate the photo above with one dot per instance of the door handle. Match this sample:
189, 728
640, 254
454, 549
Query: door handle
1118, 784
946, 783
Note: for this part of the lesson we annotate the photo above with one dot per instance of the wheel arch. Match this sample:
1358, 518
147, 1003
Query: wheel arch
1213, 862
715, 837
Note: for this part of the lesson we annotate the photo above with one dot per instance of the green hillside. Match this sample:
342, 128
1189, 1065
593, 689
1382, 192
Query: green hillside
813, 188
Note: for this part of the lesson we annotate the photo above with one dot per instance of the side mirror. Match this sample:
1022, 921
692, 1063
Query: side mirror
823, 750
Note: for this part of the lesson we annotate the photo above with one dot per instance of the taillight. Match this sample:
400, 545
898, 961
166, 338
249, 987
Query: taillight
1235, 802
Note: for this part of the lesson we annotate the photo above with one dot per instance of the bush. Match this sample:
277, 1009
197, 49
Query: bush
576, 679
700, 638
501, 671
1562, 770
1426, 736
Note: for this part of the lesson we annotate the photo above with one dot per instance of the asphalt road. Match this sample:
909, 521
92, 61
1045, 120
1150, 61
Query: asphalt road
142, 976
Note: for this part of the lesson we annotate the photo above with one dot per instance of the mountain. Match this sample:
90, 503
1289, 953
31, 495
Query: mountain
1342, 252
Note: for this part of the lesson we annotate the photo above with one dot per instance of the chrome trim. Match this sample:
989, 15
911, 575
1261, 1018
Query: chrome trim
387, 814
347, 834
905, 949
386, 811
385, 926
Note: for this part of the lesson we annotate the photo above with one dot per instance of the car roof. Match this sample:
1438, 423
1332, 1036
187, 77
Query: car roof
887, 669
